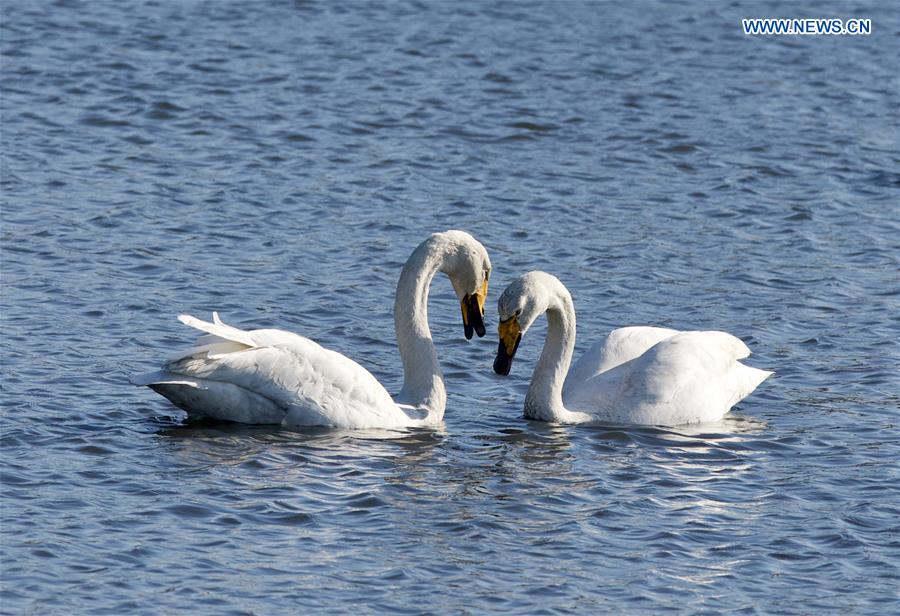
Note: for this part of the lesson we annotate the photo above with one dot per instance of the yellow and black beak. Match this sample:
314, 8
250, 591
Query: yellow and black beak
473, 311
510, 337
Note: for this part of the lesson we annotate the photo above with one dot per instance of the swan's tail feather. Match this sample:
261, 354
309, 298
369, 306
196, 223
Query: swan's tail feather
747, 379
158, 377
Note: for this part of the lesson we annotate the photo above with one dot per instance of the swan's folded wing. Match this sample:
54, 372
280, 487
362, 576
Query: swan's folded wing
218, 329
616, 348
686, 378
314, 386
221, 339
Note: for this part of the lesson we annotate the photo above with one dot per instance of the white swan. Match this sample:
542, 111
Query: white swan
269, 376
636, 375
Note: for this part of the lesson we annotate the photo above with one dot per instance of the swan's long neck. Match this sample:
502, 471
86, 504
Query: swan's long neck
544, 398
423, 382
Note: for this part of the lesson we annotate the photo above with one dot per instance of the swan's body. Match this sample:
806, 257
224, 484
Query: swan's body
269, 376
635, 375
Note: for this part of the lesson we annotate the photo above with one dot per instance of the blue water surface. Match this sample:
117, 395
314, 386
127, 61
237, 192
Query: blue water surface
278, 161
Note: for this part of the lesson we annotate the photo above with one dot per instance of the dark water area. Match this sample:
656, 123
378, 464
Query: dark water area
278, 161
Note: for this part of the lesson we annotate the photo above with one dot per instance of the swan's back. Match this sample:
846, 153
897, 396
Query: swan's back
688, 377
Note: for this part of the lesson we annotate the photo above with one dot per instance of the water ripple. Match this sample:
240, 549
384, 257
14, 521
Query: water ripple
278, 165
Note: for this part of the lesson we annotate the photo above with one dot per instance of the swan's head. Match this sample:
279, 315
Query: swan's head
466, 263
523, 301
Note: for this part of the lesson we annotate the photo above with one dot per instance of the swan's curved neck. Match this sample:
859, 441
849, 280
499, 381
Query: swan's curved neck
423, 382
544, 398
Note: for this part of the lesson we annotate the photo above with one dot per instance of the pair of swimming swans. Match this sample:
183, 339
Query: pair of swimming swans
636, 375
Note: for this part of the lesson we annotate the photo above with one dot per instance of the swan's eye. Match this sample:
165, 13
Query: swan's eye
518, 313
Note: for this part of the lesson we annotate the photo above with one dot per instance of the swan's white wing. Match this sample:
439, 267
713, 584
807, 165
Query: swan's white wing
273, 376
219, 339
686, 378
619, 346
218, 329
312, 385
